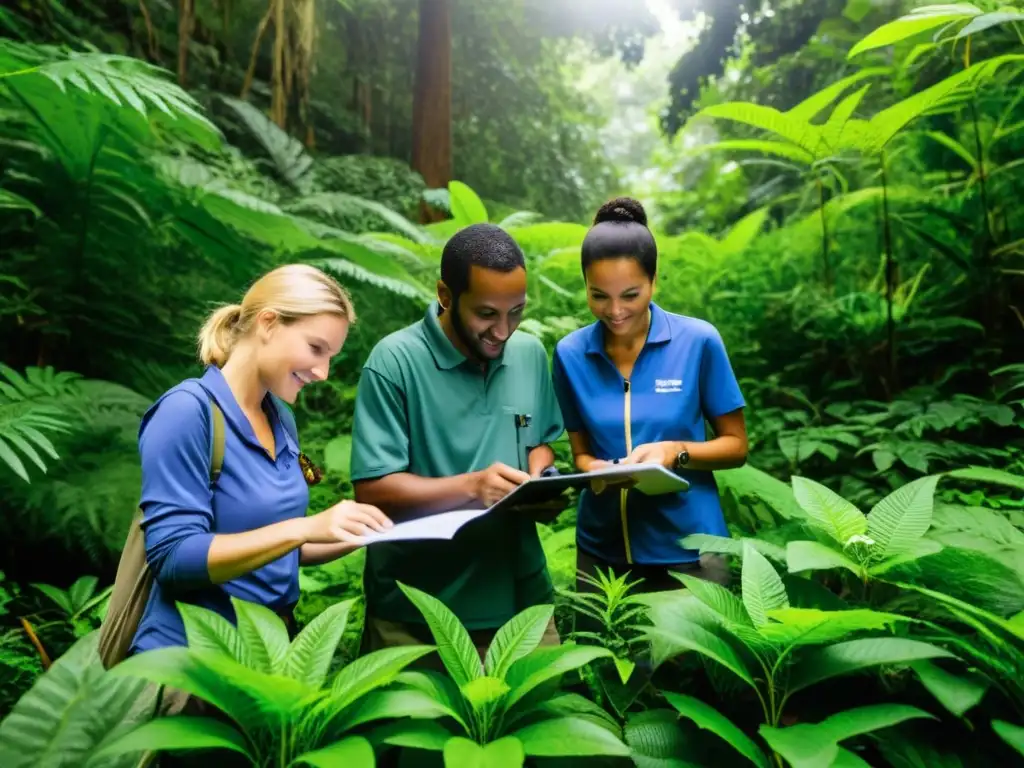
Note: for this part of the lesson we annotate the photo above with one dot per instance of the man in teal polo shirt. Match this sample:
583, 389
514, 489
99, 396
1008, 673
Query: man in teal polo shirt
453, 412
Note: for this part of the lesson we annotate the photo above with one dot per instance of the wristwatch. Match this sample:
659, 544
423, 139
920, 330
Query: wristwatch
682, 459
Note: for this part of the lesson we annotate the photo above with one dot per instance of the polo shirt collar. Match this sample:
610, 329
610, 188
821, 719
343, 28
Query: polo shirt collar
659, 332
446, 355
213, 381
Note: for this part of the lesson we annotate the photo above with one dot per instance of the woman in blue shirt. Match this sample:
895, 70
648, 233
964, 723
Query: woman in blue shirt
636, 386
245, 534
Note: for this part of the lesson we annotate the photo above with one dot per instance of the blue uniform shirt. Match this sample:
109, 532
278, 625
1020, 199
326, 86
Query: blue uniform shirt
681, 377
181, 514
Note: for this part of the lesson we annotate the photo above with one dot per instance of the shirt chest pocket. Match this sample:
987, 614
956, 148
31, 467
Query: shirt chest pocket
521, 424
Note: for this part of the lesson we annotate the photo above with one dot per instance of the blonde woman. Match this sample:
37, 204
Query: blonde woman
245, 533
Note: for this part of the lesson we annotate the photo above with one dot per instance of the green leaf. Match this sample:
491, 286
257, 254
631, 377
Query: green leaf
829, 511
1010, 733
263, 635
812, 556
388, 704
956, 693
764, 146
763, 589
547, 663
902, 518
467, 208
518, 637
70, 710
810, 626
483, 692
705, 542
989, 475
808, 109
352, 752
567, 705
454, 645
624, 667
669, 641
11, 201
718, 598
178, 732
416, 734
460, 752
855, 655
656, 739
373, 670
569, 737
981, 23
709, 718
911, 25
817, 746
289, 157
439, 688
208, 630
309, 656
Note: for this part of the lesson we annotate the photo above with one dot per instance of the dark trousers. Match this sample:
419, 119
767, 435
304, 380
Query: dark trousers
656, 578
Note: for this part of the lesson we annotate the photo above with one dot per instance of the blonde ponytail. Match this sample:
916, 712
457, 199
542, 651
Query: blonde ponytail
291, 292
217, 336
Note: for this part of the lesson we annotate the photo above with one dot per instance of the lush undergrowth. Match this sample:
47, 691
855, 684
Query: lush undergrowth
848, 217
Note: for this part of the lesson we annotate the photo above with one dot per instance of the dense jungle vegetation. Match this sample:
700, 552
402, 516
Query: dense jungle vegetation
835, 184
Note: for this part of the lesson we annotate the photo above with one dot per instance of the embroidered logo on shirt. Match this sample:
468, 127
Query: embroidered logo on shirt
668, 385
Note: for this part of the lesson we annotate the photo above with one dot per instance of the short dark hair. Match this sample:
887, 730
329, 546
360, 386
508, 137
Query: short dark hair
483, 245
620, 230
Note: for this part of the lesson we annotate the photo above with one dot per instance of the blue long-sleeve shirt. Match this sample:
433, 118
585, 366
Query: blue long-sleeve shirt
181, 514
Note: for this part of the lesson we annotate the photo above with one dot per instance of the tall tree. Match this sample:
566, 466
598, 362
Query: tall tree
432, 101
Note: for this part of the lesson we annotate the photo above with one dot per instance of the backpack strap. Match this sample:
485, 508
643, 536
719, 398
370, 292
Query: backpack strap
217, 454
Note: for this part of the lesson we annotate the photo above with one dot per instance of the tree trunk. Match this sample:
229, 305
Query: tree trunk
432, 101
279, 79
186, 20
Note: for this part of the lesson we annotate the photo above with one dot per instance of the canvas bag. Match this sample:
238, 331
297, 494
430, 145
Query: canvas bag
134, 580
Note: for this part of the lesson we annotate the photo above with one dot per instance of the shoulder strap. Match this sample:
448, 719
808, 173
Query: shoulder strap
217, 456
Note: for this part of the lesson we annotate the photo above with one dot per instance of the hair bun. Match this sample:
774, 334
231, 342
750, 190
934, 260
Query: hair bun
622, 209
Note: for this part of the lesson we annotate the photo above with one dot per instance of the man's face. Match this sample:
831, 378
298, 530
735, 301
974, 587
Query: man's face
488, 312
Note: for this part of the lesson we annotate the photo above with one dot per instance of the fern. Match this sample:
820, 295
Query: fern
288, 157
25, 416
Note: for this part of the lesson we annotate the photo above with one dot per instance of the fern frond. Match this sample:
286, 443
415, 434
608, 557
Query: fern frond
332, 203
123, 80
289, 158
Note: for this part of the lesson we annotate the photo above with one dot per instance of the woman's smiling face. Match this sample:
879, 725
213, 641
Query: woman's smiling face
619, 294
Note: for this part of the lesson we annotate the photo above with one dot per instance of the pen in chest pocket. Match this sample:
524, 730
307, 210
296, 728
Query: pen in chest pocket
522, 421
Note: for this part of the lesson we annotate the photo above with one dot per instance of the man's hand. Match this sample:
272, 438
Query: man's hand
496, 482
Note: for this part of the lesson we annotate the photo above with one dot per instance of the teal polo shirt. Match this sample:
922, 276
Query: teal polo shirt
423, 408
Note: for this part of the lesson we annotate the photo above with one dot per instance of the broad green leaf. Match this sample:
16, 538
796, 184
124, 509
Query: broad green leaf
417, 734
177, 733
439, 687
989, 475
624, 667
711, 719
671, 641
309, 656
388, 704
981, 23
81, 591
817, 746
902, 518
919, 549
855, 655
911, 25
829, 511
518, 637
569, 737
208, 630
263, 635
454, 644
718, 598
373, 670
705, 542
656, 739
352, 752
957, 693
809, 626
467, 208
567, 705
547, 663
460, 752
762, 587
58, 596
70, 710
812, 556
744, 231
1010, 733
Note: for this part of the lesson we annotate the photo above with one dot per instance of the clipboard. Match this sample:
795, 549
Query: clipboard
649, 479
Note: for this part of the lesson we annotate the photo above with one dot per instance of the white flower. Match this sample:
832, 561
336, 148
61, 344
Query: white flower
859, 539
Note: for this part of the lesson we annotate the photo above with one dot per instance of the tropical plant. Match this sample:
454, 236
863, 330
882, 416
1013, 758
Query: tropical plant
508, 707
285, 705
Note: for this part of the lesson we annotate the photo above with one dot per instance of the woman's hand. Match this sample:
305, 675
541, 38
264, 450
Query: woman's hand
347, 521
654, 453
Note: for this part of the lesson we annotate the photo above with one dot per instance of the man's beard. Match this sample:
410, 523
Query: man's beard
471, 345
